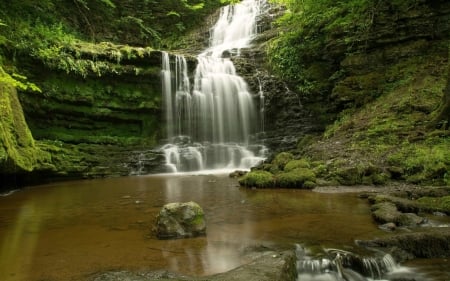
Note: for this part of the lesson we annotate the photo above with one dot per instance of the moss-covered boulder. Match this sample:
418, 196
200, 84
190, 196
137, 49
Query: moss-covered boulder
280, 161
297, 178
436, 204
385, 212
258, 179
296, 164
180, 220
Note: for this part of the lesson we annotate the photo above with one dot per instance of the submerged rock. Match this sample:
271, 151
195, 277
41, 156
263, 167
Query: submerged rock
180, 220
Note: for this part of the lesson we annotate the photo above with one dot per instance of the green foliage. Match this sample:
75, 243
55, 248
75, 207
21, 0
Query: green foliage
193, 7
146, 33
60, 50
108, 3
226, 2
312, 28
134, 22
17, 81
259, 179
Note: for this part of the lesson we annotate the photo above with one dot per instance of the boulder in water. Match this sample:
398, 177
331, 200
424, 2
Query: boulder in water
180, 220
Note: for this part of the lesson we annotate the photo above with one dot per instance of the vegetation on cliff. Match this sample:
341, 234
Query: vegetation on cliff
87, 78
380, 71
376, 71
18, 152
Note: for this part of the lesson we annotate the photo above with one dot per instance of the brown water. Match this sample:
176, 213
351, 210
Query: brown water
68, 230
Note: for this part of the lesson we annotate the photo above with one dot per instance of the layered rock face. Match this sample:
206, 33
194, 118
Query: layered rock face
284, 116
98, 113
364, 91
346, 69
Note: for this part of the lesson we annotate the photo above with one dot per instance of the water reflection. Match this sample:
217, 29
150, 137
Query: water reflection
18, 244
69, 230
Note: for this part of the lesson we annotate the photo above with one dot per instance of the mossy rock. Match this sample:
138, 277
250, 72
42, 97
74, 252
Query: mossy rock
403, 204
296, 164
180, 220
298, 178
282, 159
409, 219
258, 178
349, 175
385, 212
377, 178
441, 204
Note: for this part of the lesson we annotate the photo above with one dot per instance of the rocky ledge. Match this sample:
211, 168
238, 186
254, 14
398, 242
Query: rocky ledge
410, 211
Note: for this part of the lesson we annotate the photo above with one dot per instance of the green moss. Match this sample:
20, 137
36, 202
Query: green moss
441, 204
296, 178
95, 110
17, 150
281, 159
349, 175
309, 184
295, 164
259, 179
424, 162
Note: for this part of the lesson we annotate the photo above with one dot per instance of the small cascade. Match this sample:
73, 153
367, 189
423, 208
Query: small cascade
340, 265
213, 123
262, 100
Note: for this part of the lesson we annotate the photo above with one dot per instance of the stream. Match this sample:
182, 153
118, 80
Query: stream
68, 230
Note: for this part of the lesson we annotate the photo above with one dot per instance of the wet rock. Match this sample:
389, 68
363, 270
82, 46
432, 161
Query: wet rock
180, 220
387, 212
390, 226
237, 174
402, 204
410, 219
266, 266
429, 243
439, 214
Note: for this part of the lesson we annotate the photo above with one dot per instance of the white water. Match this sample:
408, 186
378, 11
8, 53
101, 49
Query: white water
340, 265
210, 125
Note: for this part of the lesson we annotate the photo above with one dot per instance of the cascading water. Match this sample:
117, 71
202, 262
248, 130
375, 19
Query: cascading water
210, 126
340, 265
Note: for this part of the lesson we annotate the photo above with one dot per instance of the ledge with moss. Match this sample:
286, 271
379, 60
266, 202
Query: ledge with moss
94, 123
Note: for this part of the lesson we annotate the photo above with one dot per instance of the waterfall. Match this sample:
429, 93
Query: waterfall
212, 124
341, 265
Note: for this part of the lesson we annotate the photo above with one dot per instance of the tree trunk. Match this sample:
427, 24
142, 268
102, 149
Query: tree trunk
442, 120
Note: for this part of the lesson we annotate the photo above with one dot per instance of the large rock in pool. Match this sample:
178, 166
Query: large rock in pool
180, 220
